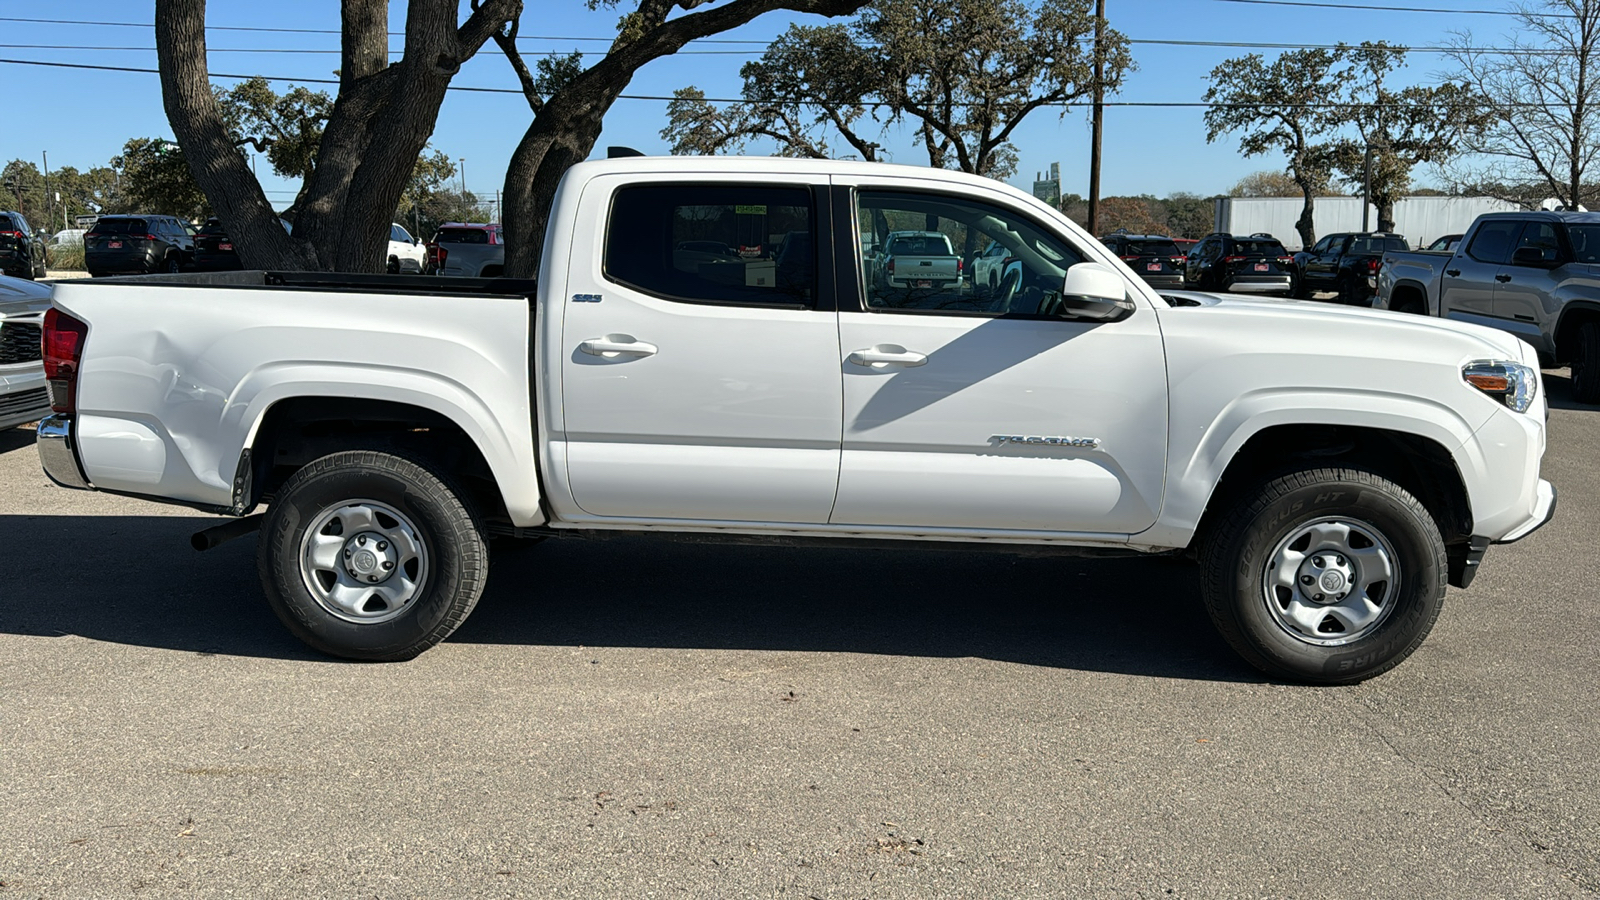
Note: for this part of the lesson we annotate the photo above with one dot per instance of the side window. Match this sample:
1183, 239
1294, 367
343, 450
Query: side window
702, 243
1492, 242
1542, 237
927, 236
1322, 246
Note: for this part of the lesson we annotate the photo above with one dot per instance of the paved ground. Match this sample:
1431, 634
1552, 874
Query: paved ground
630, 719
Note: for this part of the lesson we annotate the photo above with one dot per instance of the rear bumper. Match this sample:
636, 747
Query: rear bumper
1169, 280
58, 453
23, 396
107, 262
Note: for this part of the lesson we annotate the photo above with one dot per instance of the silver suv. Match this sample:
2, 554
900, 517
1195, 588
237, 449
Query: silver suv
23, 397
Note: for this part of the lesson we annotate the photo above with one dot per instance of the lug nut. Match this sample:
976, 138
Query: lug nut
1317, 561
362, 540
387, 565
1317, 597
347, 553
382, 546
1304, 579
374, 578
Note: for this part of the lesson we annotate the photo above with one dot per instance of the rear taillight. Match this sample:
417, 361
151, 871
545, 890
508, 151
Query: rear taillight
11, 234
1373, 264
1129, 258
1234, 258
960, 266
1286, 260
62, 349
891, 265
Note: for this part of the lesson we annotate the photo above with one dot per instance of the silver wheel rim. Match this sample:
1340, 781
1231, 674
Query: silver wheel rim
363, 561
1331, 581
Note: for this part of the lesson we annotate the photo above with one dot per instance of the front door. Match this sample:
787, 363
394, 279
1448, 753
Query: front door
970, 408
700, 370
1466, 291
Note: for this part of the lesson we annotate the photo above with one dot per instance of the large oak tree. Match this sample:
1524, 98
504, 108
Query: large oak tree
569, 102
380, 121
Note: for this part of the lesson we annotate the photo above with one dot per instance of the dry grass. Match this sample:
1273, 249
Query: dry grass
65, 256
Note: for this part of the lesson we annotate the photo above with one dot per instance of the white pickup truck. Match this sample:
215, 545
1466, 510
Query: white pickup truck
1332, 469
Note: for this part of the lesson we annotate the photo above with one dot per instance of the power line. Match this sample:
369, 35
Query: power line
1409, 9
1127, 104
317, 51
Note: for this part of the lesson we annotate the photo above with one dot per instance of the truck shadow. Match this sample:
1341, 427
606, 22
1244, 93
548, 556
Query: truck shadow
1558, 390
133, 580
17, 438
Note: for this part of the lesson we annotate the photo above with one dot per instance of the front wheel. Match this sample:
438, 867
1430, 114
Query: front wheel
371, 556
1586, 364
1327, 575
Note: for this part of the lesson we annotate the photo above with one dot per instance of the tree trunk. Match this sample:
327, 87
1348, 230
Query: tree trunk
560, 137
1306, 225
217, 165
1386, 214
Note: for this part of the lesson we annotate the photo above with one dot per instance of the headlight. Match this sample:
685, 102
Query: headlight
1513, 384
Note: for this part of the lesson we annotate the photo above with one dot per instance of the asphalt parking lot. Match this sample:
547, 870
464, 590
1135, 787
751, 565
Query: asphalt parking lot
637, 719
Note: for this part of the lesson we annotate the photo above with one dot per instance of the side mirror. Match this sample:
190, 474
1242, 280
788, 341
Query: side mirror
1095, 292
1534, 257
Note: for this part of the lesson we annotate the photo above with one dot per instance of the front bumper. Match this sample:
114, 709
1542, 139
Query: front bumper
58, 453
1544, 509
23, 397
1466, 558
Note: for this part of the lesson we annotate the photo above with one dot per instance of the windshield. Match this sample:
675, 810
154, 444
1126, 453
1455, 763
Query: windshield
1362, 243
1152, 248
120, 226
462, 236
1258, 248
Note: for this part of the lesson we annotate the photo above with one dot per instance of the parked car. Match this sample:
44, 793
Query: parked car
1155, 258
67, 237
989, 266
137, 245
397, 430
1257, 264
23, 396
1533, 274
22, 252
1185, 245
1448, 243
1345, 263
214, 250
467, 249
406, 253
917, 261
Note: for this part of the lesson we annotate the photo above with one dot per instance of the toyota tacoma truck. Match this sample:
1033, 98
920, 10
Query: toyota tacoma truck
1533, 274
393, 425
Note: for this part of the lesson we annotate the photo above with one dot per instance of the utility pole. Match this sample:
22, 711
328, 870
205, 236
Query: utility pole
1099, 113
49, 207
1366, 189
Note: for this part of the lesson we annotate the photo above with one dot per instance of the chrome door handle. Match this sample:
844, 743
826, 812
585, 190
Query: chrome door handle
614, 345
1453, 273
884, 355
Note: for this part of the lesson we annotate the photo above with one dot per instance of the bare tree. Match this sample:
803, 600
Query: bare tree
1543, 103
963, 73
569, 103
380, 121
1281, 107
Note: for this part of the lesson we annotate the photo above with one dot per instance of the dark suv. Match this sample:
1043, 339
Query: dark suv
1155, 258
468, 249
21, 250
136, 245
1257, 264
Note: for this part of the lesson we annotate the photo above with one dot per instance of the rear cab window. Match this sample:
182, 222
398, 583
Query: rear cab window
462, 236
751, 245
1492, 242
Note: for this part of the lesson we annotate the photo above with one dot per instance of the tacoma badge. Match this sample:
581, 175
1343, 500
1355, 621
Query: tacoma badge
1084, 442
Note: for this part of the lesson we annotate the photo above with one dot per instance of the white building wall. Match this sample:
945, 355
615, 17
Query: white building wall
1420, 219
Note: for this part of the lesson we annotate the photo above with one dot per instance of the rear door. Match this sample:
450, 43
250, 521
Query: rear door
1468, 285
700, 386
1324, 260
979, 411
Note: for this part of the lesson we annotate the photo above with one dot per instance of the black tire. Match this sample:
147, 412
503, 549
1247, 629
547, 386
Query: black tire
1237, 554
393, 267
448, 582
1298, 290
1586, 364
170, 265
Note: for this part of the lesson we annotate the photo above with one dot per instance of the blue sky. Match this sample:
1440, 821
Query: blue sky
82, 117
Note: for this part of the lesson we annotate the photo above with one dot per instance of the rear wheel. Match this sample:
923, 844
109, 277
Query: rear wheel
170, 265
371, 556
1586, 364
1324, 575
394, 266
